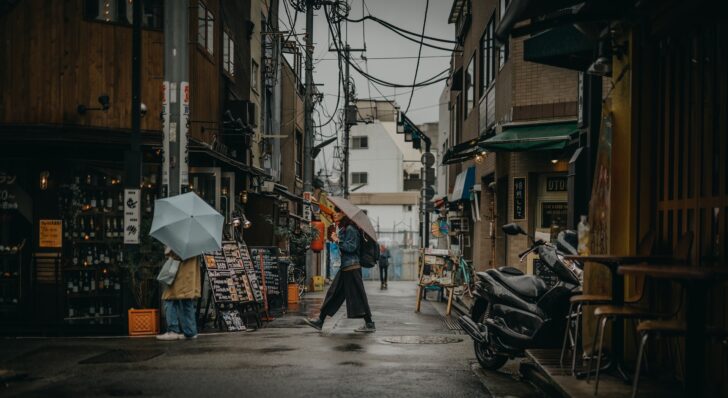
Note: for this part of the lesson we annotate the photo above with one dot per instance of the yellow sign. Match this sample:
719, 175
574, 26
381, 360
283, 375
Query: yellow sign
51, 233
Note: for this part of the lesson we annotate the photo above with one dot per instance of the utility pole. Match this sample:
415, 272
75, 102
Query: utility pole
308, 120
133, 157
347, 122
175, 104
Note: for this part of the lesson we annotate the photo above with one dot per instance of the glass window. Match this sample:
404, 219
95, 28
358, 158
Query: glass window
254, 75
359, 178
228, 54
121, 12
360, 142
503, 48
470, 85
205, 25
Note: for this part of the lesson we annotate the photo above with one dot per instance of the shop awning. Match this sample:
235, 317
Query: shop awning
463, 184
283, 190
574, 50
538, 137
461, 152
197, 146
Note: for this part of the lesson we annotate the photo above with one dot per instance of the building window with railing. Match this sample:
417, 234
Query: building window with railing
469, 83
488, 59
205, 28
360, 142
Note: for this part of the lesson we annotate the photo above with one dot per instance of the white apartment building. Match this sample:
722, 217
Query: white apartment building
384, 173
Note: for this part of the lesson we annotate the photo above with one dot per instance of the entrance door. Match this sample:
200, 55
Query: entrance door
205, 181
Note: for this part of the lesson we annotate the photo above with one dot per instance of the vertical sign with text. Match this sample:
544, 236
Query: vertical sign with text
132, 222
184, 178
519, 198
166, 137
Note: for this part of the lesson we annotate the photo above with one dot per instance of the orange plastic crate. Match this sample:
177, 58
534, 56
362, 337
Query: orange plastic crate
143, 322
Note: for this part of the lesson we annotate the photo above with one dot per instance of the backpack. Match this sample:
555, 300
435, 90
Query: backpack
368, 251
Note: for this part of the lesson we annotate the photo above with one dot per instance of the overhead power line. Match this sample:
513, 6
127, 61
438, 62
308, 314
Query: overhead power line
398, 29
419, 53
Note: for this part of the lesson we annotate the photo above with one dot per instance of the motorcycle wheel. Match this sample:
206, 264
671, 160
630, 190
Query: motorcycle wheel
487, 358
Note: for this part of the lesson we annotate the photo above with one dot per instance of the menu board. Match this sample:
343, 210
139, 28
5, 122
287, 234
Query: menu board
265, 260
238, 260
233, 320
227, 283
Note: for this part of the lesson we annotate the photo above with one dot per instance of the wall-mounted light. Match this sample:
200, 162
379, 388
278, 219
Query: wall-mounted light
244, 197
554, 161
103, 101
44, 180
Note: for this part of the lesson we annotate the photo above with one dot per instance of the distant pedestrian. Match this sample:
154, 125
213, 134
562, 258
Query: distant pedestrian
383, 265
347, 284
179, 300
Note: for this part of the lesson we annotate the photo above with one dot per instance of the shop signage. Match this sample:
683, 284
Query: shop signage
580, 101
132, 204
554, 213
519, 198
51, 233
556, 184
184, 176
166, 135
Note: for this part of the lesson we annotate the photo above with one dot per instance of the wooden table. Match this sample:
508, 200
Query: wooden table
696, 281
613, 263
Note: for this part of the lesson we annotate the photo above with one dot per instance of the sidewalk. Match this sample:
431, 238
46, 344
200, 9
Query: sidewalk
410, 355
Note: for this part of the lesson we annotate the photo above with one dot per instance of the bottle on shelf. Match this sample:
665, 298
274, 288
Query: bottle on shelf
148, 207
75, 257
108, 228
109, 202
91, 228
82, 227
120, 202
92, 283
89, 257
75, 285
66, 232
93, 201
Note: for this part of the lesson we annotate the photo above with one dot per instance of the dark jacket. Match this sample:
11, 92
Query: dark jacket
384, 258
349, 245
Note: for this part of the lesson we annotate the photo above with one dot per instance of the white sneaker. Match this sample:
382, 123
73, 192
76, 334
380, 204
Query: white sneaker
169, 336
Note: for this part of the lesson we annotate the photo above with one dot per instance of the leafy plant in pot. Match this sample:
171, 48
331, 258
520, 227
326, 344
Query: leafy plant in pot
142, 268
297, 236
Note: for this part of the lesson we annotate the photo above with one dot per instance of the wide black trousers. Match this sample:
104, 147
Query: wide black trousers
347, 286
383, 271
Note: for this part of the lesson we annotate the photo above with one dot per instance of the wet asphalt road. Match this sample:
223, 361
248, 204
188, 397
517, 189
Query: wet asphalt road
284, 359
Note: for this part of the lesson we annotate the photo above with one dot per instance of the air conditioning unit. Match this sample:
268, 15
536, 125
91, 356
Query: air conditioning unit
267, 186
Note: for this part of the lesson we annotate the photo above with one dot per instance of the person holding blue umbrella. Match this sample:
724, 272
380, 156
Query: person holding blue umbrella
189, 227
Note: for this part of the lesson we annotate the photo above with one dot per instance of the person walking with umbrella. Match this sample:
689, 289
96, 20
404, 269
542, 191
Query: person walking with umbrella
347, 284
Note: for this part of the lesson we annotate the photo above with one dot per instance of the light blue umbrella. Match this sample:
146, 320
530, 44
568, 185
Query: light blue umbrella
187, 224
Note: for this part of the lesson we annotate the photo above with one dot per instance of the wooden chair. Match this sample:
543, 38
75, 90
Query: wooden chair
605, 313
578, 302
666, 328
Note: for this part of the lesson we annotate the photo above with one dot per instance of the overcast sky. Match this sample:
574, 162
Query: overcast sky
381, 42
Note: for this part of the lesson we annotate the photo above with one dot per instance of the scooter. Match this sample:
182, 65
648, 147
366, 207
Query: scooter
514, 312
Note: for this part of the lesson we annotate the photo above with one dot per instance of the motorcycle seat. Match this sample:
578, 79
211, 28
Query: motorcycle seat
510, 270
526, 285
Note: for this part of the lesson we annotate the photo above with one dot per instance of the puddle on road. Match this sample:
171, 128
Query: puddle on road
351, 347
279, 348
352, 363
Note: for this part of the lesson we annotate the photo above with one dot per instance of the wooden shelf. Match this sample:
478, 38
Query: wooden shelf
89, 318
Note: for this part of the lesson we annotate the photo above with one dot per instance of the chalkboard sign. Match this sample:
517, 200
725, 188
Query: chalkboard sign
228, 281
519, 198
265, 260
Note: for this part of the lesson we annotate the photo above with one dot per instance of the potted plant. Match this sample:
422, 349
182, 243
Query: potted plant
141, 269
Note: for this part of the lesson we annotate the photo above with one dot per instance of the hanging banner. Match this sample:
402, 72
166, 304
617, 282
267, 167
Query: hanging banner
184, 178
166, 136
131, 216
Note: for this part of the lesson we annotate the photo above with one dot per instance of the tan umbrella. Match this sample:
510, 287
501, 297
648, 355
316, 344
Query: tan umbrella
355, 214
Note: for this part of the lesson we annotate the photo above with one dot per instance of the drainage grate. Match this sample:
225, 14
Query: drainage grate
422, 339
452, 325
123, 356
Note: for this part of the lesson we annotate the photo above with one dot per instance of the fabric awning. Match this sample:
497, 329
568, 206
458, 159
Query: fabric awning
461, 152
463, 184
539, 137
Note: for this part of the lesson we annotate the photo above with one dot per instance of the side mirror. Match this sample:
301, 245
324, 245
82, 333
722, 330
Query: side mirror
513, 229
